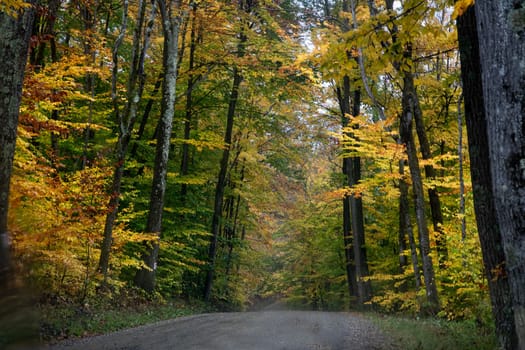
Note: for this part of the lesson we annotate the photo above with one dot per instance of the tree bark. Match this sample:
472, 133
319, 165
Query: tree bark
353, 221
409, 86
221, 181
492, 47
430, 173
121, 148
461, 173
364, 287
171, 20
234, 220
185, 158
14, 43
145, 116
343, 95
407, 138
221, 184
405, 229
126, 121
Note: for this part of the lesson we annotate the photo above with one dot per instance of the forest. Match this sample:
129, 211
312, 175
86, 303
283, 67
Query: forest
331, 154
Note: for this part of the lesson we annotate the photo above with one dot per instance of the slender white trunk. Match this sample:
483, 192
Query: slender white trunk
171, 20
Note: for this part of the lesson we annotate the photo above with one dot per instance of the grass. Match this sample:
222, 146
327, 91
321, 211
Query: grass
436, 334
26, 322
66, 321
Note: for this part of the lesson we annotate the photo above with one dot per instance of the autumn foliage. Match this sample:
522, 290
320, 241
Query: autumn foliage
280, 225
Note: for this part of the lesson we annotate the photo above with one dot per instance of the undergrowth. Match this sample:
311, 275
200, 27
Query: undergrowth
436, 334
103, 315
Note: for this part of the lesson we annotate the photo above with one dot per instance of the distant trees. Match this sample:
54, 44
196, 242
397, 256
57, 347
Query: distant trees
401, 57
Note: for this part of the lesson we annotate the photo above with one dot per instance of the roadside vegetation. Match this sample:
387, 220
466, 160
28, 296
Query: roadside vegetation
62, 321
436, 334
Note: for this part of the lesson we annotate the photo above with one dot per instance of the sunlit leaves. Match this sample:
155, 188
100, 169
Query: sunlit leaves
461, 6
13, 7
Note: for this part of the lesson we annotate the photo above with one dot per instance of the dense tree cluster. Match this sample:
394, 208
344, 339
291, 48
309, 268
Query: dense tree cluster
233, 151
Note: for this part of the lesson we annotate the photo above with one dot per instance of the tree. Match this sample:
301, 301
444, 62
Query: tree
221, 180
411, 114
185, 157
405, 228
171, 17
15, 31
407, 138
353, 204
492, 46
125, 118
344, 105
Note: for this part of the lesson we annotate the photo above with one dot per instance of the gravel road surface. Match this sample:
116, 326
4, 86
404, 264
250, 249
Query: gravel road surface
264, 330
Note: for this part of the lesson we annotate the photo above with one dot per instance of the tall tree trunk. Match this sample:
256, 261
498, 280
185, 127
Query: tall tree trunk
461, 173
492, 47
410, 87
234, 219
185, 158
405, 228
353, 222
145, 115
171, 20
364, 287
430, 173
343, 95
221, 184
221, 181
44, 30
407, 138
88, 15
232, 235
404, 225
348, 242
14, 44
120, 151
126, 121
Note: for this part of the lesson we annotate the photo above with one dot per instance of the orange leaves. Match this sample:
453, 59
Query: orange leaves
35, 126
60, 81
55, 222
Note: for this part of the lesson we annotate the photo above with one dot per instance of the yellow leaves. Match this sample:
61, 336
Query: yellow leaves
13, 7
56, 86
365, 138
212, 143
190, 180
461, 6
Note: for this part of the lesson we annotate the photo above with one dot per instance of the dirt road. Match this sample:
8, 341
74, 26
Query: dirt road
266, 330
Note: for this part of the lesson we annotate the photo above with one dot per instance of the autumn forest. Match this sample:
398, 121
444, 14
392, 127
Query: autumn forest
242, 152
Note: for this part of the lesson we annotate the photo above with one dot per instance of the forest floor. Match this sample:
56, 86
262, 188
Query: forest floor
290, 330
